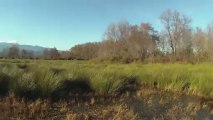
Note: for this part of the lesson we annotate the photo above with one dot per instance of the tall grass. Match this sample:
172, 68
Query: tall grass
41, 77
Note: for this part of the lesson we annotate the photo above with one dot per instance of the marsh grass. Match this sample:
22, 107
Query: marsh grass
86, 90
44, 77
25, 86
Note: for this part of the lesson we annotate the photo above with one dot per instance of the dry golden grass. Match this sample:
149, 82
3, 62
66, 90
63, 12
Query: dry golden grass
149, 104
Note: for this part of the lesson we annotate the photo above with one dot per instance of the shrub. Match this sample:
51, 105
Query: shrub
46, 82
106, 82
25, 86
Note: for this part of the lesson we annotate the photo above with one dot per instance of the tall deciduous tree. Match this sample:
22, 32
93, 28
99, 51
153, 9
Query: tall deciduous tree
125, 41
177, 27
85, 51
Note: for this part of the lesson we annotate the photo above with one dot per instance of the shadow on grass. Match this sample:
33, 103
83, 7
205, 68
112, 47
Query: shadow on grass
128, 85
4, 84
56, 70
72, 89
30, 94
22, 66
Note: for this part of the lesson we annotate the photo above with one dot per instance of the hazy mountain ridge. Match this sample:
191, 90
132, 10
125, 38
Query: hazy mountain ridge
38, 50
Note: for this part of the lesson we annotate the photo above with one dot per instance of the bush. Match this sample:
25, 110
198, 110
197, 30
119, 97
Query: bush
46, 82
25, 86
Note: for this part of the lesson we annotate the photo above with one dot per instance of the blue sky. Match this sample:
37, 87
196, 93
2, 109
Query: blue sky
65, 23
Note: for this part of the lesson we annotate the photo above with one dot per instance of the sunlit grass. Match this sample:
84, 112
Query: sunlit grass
44, 76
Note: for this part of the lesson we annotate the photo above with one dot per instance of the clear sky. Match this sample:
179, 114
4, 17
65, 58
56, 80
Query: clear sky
65, 23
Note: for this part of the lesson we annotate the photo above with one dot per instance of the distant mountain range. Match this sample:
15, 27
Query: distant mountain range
38, 50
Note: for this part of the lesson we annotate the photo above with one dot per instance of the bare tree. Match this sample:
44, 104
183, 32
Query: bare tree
24, 53
114, 45
176, 25
14, 52
163, 43
210, 41
46, 54
54, 54
199, 41
65, 55
85, 51
142, 41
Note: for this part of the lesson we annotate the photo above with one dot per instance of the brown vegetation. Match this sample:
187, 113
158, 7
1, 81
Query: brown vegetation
146, 104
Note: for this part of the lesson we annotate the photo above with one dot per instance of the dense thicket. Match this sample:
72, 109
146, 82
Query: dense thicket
177, 41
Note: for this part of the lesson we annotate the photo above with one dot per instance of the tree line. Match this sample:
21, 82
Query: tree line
122, 41
14, 52
177, 41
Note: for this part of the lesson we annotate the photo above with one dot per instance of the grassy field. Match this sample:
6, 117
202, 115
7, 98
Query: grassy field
109, 86
45, 76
